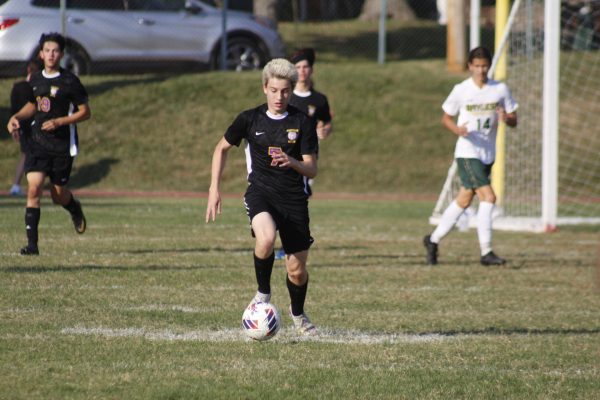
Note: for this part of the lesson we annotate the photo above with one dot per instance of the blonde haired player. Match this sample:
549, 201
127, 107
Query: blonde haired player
281, 156
480, 104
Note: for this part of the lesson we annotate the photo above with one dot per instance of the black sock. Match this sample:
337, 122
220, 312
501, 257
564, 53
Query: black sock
32, 220
263, 269
297, 296
71, 206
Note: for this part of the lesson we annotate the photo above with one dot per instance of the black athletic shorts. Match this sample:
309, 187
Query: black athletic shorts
291, 218
57, 168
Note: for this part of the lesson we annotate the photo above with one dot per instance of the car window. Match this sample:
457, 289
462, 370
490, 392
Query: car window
156, 5
82, 4
96, 5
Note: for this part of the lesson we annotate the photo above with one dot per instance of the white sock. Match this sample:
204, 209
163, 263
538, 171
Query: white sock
484, 226
449, 218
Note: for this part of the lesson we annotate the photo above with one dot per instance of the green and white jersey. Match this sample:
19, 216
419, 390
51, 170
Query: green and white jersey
476, 107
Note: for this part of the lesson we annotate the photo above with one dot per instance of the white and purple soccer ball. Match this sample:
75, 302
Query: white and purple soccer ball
261, 321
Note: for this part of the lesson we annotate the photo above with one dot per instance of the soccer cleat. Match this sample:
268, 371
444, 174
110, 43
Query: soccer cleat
280, 254
78, 218
492, 259
30, 251
302, 324
432, 250
260, 298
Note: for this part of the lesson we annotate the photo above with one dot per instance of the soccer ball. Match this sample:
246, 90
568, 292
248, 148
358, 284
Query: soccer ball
261, 321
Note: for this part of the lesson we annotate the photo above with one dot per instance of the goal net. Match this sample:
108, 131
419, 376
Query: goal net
576, 176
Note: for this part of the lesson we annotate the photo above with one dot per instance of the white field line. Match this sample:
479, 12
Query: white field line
237, 335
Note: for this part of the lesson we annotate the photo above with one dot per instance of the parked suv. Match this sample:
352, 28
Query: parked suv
103, 33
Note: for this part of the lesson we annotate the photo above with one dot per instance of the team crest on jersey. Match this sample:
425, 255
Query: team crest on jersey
53, 91
292, 135
311, 110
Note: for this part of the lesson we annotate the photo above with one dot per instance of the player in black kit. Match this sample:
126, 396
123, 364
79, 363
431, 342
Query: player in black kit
306, 98
57, 102
281, 157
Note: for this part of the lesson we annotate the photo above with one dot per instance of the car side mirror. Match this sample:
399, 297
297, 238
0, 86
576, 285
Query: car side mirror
192, 8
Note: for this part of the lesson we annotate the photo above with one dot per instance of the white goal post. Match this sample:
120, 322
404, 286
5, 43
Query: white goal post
553, 69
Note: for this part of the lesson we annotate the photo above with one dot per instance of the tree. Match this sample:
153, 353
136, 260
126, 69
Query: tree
396, 9
266, 8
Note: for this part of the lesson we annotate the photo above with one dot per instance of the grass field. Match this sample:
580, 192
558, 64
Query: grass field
147, 305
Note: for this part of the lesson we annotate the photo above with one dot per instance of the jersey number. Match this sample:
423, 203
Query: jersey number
486, 124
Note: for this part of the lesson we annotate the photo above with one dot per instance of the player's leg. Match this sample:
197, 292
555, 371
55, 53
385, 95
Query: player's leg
264, 229
35, 183
487, 200
61, 195
296, 240
15, 189
449, 218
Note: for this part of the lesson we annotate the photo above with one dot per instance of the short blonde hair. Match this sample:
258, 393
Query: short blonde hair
280, 68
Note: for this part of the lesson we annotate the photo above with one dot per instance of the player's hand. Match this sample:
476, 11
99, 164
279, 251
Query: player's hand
281, 160
51, 125
13, 125
213, 206
16, 135
462, 130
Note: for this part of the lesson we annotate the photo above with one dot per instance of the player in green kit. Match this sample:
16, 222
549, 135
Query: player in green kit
480, 104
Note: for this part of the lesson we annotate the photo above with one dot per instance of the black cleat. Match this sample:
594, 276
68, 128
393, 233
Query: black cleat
492, 259
30, 251
78, 218
432, 250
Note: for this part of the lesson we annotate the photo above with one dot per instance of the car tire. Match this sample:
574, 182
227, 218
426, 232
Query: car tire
76, 60
243, 54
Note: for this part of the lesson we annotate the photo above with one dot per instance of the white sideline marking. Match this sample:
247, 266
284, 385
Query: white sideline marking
164, 307
237, 335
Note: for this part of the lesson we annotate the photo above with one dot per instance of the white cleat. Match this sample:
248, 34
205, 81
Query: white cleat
303, 325
260, 298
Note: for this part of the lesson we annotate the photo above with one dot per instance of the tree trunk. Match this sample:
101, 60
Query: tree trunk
396, 9
266, 8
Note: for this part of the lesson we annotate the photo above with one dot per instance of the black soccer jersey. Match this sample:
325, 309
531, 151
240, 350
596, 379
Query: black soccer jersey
315, 106
55, 97
295, 135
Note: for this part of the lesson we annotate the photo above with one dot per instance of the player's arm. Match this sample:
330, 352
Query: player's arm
83, 112
448, 122
219, 159
306, 167
26, 112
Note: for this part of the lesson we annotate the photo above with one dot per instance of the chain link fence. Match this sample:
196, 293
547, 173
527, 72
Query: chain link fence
132, 36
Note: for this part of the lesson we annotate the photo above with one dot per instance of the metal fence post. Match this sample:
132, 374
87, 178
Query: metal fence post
224, 35
381, 44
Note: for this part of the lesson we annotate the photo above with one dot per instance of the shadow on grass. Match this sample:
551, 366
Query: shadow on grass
89, 174
107, 86
194, 250
45, 269
404, 43
492, 330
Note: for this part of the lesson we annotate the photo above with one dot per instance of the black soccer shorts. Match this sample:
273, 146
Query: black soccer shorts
291, 218
57, 168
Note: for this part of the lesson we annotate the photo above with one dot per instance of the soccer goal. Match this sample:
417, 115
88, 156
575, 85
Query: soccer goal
549, 174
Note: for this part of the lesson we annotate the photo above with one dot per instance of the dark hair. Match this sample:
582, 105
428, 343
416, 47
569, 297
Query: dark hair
53, 37
480, 52
307, 54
